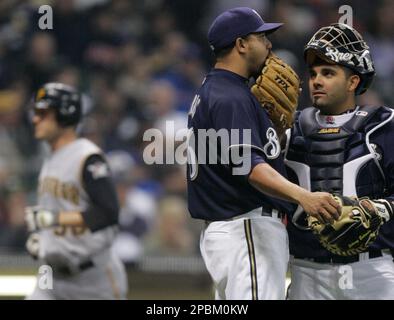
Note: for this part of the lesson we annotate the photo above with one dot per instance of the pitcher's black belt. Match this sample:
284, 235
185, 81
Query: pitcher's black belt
263, 212
370, 254
274, 213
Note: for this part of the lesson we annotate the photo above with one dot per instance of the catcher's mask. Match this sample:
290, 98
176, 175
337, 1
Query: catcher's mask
64, 99
343, 45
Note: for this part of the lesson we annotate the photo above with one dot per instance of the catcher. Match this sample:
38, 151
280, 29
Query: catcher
343, 148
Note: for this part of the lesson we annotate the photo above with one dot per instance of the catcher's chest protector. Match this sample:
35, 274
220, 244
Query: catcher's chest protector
339, 159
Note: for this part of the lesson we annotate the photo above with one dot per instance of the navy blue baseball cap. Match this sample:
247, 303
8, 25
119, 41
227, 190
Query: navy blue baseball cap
235, 23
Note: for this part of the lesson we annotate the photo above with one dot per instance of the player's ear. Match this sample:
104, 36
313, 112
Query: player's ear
240, 44
353, 82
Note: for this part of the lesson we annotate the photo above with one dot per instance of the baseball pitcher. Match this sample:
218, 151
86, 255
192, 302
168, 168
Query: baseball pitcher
244, 243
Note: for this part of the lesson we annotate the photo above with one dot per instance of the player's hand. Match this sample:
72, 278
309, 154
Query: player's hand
33, 245
38, 218
321, 205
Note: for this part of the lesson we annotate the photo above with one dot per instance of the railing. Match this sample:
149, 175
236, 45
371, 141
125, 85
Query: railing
152, 277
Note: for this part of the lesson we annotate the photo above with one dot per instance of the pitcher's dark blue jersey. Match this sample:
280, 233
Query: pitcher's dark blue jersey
222, 104
370, 129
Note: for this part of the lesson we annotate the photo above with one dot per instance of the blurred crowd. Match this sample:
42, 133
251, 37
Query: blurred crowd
138, 64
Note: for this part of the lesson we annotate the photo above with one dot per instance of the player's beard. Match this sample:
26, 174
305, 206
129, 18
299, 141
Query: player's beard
331, 104
256, 64
324, 107
257, 71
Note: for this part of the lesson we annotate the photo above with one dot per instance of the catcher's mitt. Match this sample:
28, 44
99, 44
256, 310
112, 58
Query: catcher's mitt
356, 228
277, 89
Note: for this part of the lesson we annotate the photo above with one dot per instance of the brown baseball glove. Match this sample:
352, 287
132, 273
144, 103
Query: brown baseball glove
277, 89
